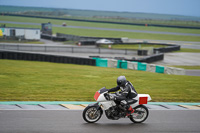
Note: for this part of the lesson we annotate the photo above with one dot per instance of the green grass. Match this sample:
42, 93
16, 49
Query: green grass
101, 33
134, 46
188, 67
22, 41
42, 81
119, 34
114, 34
189, 50
101, 25
144, 18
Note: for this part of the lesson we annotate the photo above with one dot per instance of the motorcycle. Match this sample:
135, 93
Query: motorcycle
93, 112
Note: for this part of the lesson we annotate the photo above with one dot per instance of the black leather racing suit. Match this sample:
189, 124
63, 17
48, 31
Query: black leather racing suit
127, 93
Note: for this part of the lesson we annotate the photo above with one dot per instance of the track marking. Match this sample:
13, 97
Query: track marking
84, 105
71, 106
190, 107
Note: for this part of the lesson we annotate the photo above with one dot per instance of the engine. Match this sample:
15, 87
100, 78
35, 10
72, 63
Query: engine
114, 113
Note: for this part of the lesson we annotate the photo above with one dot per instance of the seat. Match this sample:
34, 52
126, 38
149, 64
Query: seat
131, 101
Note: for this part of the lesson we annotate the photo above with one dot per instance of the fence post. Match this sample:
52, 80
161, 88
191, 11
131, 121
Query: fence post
125, 51
45, 48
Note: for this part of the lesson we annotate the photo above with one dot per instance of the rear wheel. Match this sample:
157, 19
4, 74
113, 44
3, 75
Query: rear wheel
92, 114
140, 114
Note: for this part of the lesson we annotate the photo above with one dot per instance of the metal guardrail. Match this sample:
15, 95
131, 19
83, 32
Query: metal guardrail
65, 49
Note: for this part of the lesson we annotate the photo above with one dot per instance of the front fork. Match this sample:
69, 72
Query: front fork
98, 107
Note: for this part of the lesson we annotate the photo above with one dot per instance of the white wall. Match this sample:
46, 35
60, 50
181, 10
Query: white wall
32, 34
19, 32
29, 34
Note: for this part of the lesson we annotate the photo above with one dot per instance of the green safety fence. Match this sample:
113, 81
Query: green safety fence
142, 66
160, 69
100, 62
122, 64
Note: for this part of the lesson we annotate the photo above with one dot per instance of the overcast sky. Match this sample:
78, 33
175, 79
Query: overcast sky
176, 7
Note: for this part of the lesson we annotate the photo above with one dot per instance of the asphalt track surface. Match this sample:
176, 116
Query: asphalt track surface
108, 29
70, 121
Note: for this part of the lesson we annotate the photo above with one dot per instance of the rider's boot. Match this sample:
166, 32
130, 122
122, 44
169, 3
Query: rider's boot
130, 111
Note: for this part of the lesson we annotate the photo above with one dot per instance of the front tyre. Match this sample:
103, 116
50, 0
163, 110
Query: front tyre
140, 114
92, 114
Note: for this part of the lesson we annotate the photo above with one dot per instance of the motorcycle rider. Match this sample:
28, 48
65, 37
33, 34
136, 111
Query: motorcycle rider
126, 95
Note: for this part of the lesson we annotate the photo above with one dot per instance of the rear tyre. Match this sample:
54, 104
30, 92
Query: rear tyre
92, 114
140, 114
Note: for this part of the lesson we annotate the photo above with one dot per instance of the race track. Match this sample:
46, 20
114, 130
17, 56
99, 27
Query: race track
106, 29
70, 121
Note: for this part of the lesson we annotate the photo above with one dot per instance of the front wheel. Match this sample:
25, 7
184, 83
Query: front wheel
92, 114
140, 114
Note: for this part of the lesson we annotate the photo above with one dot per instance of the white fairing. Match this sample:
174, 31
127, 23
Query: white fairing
145, 95
138, 97
101, 98
107, 104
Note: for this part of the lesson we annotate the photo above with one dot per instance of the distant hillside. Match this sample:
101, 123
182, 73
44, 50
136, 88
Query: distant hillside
93, 14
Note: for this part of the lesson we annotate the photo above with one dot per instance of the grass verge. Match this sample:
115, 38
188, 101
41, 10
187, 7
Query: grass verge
188, 67
42, 81
114, 34
102, 33
101, 25
189, 50
22, 41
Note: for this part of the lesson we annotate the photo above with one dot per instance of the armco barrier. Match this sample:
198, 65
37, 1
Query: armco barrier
132, 65
53, 38
137, 66
122, 64
167, 49
142, 66
142, 52
64, 49
112, 63
93, 62
101, 62
174, 71
86, 38
160, 69
150, 59
45, 57
151, 67
87, 43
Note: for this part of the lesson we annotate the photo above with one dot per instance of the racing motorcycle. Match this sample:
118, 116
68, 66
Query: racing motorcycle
93, 112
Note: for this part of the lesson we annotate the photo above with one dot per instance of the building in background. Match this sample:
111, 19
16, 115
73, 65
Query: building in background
20, 33
46, 28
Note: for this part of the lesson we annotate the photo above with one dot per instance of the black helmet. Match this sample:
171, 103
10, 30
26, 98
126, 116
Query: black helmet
121, 80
